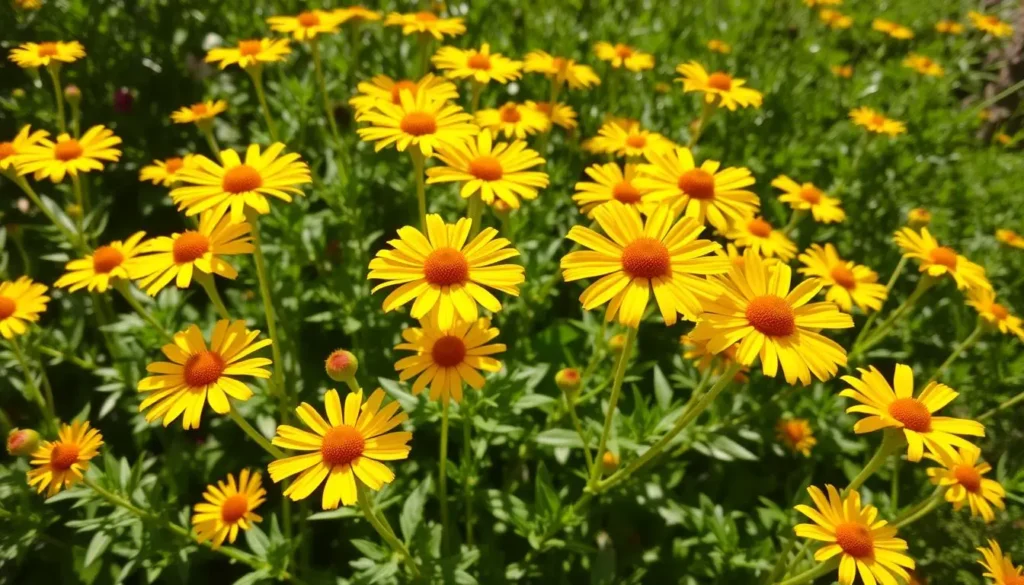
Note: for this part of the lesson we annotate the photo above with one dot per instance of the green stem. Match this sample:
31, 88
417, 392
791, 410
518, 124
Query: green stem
314, 46
268, 308
780, 562
442, 479
206, 281
812, 573
46, 406
76, 187
146, 315
882, 330
1008, 404
380, 525
71, 237
959, 349
474, 102
418, 162
467, 461
424, 41
613, 400
206, 128
919, 510
888, 289
61, 355
255, 435
76, 117
54, 71
707, 110
256, 73
474, 210
794, 219
892, 440
584, 436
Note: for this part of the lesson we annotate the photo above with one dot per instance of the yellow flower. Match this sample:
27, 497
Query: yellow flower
758, 235
356, 13
719, 88
445, 358
62, 463
29, 4
923, 65
876, 122
53, 160
719, 46
990, 24
197, 373
705, 193
1003, 138
611, 183
864, 543
512, 119
808, 197
999, 566
850, 284
20, 301
1010, 238
620, 55
629, 141
307, 25
835, 19
919, 217
813, 3
662, 255
697, 350
200, 112
250, 53
17, 145
796, 434
164, 259
894, 30
561, 70
228, 508
844, 71
349, 445
898, 409
425, 23
492, 170
97, 271
760, 312
558, 114
481, 65
31, 55
440, 269
993, 313
419, 120
949, 27
164, 172
937, 260
384, 89
962, 476
236, 186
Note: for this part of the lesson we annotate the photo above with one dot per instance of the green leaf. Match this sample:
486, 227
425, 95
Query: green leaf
257, 541
662, 390
560, 438
97, 546
412, 509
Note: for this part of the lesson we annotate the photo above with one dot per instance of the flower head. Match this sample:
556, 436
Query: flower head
611, 182
696, 350
923, 65
558, 114
164, 172
482, 66
995, 314
719, 46
630, 141
962, 476
200, 112
876, 122
68, 156
307, 25
513, 120
894, 30
561, 70
426, 23
796, 434
97, 271
807, 197
620, 55
849, 284
835, 19
62, 463
937, 260
813, 3
758, 235
843, 71
1010, 238
418, 120
357, 13
21, 301
228, 508
719, 88
32, 55
387, 90
1000, 566
949, 27
25, 139
250, 53
990, 24
919, 217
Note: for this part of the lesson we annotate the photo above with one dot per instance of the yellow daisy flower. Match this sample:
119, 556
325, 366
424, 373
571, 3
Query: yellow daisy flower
988, 23
481, 66
238, 185
629, 141
164, 172
863, 543
31, 55
877, 122
796, 433
440, 269
620, 55
993, 313
1010, 238
719, 46
923, 65
25, 139
894, 30
68, 156
349, 445
99, 270
758, 235
662, 255
558, 114
384, 89
62, 463
29, 4
418, 120
1003, 138
849, 283
611, 183
357, 13
760, 312
807, 197
249, 53
201, 112
937, 260
20, 301
697, 351
844, 71
813, 3
514, 120
898, 409
1000, 566
561, 70
228, 508
307, 25
425, 23
962, 476
197, 373
719, 88
835, 19
949, 27
735, 256
919, 217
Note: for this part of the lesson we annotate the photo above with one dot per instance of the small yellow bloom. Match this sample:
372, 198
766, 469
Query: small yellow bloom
876, 122
99, 270
68, 156
962, 476
228, 508
719, 88
919, 217
719, 46
387, 90
758, 235
796, 434
844, 71
1004, 138
1000, 566
1010, 238
923, 65
610, 182
813, 3
835, 19
630, 141
697, 351
513, 120
938, 260
307, 25
481, 65
62, 463
993, 313
357, 13
32, 55
561, 70
18, 145
419, 120
164, 172
894, 30
426, 23
29, 4
203, 111
620, 55
949, 27
558, 114
250, 53
849, 284
990, 24
804, 197
21, 301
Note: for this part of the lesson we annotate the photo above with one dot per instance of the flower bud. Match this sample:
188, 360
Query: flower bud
74, 211
18, 93
919, 217
22, 442
73, 95
609, 462
617, 342
341, 365
568, 381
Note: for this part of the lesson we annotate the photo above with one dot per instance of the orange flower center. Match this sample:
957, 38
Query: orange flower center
396, 90
478, 61
342, 445
811, 195
66, 150
878, 120
912, 413
47, 49
855, 540
173, 165
559, 63
720, 81
698, 184
623, 51
626, 193
106, 258
234, 508
998, 311
63, 456
419, 123
759, 227
646, 258
203, 368
544, 108
510, 113
6, 150
7, 307
308, 19
843, 276
241, 179
771, 315
250, 48
198, 109
189, 247
486, 168
794, 431
968, 476
944, 256
426, 16
448, 351
445, 267
1018, 580
636, 141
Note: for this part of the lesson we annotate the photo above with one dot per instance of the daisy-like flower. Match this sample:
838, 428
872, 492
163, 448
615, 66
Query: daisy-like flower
989, 24
68, 156
962, 476
937, 260
662, 255
1003, 138
197, 373
62, 463
760, 312
843, 71
813, 3
177, 257
630, 141
849, 284
898, 409
807, 197
719, 87
307, 25
99, 270
447, 358
357, 13
611, 183
796, 433
492, 170
384, 89
558, 114
863, 543
877, 122
349, 445
21, 301
696, 350
919, 217
440, 269
482, 66
238, 185
835, 19
1010, 238
923, 65
32, 55
250, 53
894, 30
705, 193
164, 172
418, 120
199, 113
1000, 566
17, 145
426, 23
561, 70
514, 120
719, 46
735, 256
228, 508
993, 313
758, 235
620, 55
949, 27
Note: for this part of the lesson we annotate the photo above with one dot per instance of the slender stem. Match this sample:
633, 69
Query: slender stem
474, 102
146, 315
418, 163
44, 405
584, 436
707, 110
71, 237
613, 400
959, 349
892, 440
44, 349
442, 479
894, 487
922, 509
794, 219
888, 289
812, 573
206, 281
467, 461
424, 41
256, 73
474, 210
1008, 404
314, 46
206, 128
780, 562
882, 330
54, 71
76, 118
379, 524
76, 188
255, 435
268, 308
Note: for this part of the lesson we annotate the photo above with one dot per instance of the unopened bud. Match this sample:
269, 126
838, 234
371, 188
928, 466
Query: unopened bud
919, 217
341, 365
74, 211
18, 93
22, 442
609, 462
73, 95
568, 381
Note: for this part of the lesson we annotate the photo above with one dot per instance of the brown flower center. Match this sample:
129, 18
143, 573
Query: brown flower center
47, 49
6, 150
811, 194
66, 150
944, 256
198, 109
250, 48
843, 276
398, 87
203, 368
418, 123
63, 456
646, 258
999, 312
636, 141
189, 247
308, 19
445, 267
173, 165
478, 61
759, 227
968, 476
623, 51
486, 168
771, 315
106, 258
626, 193
720, 81
912, 413
855, 540
448, 351
698, 184
7, 307
342, 445
510, 114
241, 179
234, 508
426, 16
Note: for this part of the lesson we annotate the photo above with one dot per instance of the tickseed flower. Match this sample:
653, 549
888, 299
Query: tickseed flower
492, 170
949, 27
558, 114
923, 65
197, 373
758, 235
705, 193
99, 270
843, 71
894, 30
796, 434
561, 70
356, 13
696, 350
29, 4
888, 408
228, 508
987, 23
919, 217
962, 475
993, 313
425, 23
384, 89
611, 183
849, 283
440, 269
1010, 238
718, 88
864, 543
877, 122
418, 120
1003, 138
349, 445
447, 358
238, 185
804, 197
163, 172
620, 55
307, 25
1000, 566
514, 120
61, 464
760, 312
68, 156
719, 46
21, 301
629, 141
32, 55
662, 255
735, 256
937, 260
480, 65
813, 3
250, 53
177, 257
835, 19
201, 112
25, 139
